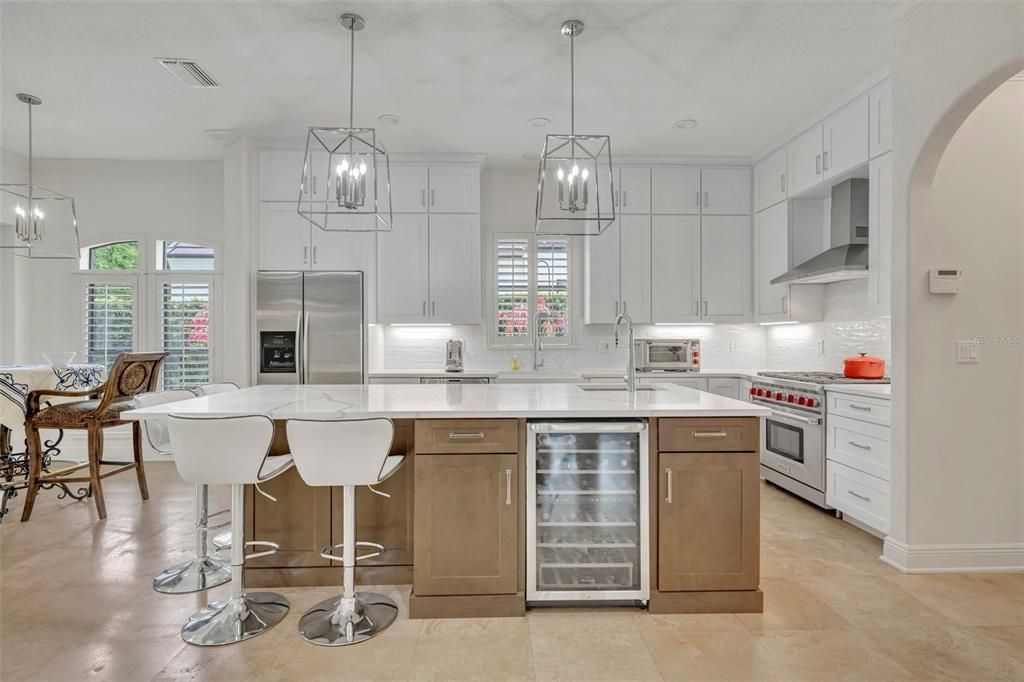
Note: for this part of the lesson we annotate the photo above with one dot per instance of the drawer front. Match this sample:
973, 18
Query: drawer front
865, 498
721, 434
459, 436
860, 445
874, 410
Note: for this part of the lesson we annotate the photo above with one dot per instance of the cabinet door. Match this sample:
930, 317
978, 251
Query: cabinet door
725, 191
725, 386
280, 176
725, 268
770, 179
635, 267
846, 138
408, 188
466, 520
771, 234
302, 526
675, 269
601, 299
454, 269
283, 237
340, 250
805, 160
454, 189
880, 118
634, 190
708, 521
675, 190
880, 233
402, 281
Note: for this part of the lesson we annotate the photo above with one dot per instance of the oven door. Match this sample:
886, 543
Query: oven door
794, 445
667, 356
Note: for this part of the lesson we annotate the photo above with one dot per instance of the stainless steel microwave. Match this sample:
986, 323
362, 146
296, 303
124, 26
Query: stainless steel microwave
676, 355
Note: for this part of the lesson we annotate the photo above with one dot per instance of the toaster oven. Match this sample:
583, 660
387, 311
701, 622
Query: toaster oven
673, 355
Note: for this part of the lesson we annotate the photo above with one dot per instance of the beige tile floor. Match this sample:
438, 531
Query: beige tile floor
76, 604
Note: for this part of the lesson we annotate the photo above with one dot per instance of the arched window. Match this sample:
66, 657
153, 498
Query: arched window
159, 298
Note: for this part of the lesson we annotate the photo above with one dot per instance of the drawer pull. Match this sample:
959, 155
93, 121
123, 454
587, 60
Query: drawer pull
708, 434
859, 445
478, 435
859, 496
668, 485
862, 408
508, 486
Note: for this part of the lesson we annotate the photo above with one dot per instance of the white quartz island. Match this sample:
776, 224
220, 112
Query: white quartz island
456, 522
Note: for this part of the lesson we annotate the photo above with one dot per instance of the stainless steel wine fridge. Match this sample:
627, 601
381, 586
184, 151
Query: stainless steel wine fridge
587, 512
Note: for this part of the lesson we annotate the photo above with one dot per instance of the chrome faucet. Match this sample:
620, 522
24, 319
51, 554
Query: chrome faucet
538, 351
631, 361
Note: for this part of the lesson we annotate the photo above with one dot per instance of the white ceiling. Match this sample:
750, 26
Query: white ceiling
463, 75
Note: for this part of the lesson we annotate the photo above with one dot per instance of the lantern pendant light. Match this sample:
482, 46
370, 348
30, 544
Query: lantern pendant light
575, 188
346, 179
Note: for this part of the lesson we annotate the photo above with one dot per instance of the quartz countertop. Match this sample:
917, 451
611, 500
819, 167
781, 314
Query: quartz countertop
870, 390
464, 401
556, 375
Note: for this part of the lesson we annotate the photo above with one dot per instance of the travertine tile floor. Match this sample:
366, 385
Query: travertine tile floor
76, 603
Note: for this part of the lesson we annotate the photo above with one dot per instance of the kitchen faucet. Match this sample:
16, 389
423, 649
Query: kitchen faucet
631, 361
538, 351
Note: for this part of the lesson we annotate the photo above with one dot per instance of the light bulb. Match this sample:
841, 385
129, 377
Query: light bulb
38, 213
20, 211
343, 166
561, 176
362, 167
575, 169
586, 174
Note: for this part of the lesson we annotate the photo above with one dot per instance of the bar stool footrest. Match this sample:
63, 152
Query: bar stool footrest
326, 554
274, 548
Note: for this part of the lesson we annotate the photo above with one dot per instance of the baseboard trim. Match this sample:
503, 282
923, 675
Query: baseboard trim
953, 558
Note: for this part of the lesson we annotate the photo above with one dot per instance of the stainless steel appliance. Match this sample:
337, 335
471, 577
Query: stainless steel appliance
310, 328
674, 355
793, 437
587, 512
453, 356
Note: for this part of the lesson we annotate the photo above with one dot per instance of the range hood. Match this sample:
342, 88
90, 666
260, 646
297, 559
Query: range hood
847, 258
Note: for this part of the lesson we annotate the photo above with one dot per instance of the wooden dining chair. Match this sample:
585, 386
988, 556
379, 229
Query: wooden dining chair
131, 374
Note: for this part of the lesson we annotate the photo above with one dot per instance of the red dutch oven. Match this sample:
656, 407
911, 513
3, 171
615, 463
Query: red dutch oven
864, 367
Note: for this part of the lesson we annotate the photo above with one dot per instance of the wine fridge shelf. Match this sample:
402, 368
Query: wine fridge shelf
570, 472
586, 492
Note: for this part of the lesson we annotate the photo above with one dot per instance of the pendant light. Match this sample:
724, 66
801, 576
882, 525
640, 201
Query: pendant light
36, 222
346, 181
574, 182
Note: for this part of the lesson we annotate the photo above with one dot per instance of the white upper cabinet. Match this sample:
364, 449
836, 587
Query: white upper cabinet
771, 239
283, 238
454, 189
725, 268
846, 138
725, 191
454, 248
880, 118
770, 177
403, 270
635, 267
408, 188
675, 269
634, 190
675, 191
280, 174
880, 207
806, 160
601, 271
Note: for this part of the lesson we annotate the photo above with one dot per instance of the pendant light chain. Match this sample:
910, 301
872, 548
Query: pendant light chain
572, 84
352, 78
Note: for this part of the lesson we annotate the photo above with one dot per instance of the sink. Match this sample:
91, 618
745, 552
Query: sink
614, 387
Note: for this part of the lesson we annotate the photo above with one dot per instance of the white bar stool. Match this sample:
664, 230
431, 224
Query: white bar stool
213, 389
346, 453
202, 571
232, 451
223, 540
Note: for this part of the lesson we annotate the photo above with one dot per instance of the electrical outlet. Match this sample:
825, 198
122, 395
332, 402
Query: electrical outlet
966, 352
821, 346
604, 345
733, 345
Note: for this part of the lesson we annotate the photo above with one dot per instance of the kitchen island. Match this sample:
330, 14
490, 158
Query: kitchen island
456, 523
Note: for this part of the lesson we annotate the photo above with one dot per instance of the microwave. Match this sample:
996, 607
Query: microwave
673, 355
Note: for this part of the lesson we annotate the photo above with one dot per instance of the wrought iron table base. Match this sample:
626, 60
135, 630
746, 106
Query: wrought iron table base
15, 465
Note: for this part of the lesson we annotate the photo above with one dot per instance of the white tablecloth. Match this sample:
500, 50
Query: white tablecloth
16, 381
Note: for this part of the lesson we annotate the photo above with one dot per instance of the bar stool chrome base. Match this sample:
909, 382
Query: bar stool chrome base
236, 619
194, 575
366, 616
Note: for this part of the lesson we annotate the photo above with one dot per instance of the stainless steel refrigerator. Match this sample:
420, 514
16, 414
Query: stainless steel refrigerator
310, 328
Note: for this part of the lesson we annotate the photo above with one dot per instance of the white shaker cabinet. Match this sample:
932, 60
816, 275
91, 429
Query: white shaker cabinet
280, 175
283, 237
409, 186
880, 209
675, 191
634, 191
846, 138
454, 189
454, 254
675, 269
806, 160
724, 191
601, 271
770, 178
771, 240
403, 276
880, 118
635, 267
725, 268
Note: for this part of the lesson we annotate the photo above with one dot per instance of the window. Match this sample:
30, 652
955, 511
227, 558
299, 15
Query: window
532, 290
167, 303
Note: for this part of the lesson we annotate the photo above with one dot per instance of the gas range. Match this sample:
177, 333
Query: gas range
803, 391
821, 378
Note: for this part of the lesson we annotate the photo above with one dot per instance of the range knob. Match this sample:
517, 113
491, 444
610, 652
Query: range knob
753, 391
790, 398
760, 391
802, 400
779, 396
811, 402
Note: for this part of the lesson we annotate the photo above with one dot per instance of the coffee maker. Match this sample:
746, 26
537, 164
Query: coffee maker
453, 356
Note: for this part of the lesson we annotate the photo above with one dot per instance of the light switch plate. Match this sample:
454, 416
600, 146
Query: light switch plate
966, 352
821, 346
732, 345
603, 345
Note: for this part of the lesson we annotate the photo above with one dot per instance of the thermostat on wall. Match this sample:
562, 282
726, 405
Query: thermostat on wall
945, 280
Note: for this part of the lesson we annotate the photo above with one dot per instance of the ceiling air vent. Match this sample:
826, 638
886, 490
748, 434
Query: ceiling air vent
188, 72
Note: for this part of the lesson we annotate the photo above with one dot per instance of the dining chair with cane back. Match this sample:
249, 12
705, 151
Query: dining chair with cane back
131, 374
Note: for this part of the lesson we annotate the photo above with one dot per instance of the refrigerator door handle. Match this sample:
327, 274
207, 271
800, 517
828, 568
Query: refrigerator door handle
305, 346
298, 347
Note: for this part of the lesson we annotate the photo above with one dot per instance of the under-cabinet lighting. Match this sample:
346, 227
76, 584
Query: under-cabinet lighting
776, 324
420, 324
684, 324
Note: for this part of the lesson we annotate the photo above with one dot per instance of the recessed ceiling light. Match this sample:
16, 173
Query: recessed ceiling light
389, 119
531, 156
685, 123
538, 121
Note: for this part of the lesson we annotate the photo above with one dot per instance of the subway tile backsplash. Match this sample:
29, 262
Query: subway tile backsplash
848, 329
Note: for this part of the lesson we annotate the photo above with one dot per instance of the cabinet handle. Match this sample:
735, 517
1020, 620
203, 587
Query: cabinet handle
696, 307
862, 408
615, 198
433, 198
433, 308
697, 193
668, 485
859, 445
817, 164
782, 182
314, 185
508, 486
625, 198
314, 255
463, 435
423, 197
708, 434
785, 304
424, 309
859, 496
824, 164
705, 199
705, 308
624, 307
305, 255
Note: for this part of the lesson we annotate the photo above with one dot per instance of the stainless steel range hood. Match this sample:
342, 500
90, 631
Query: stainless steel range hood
848, 256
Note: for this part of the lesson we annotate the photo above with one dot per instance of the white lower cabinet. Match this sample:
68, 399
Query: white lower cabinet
858, 495
859, 458
724, 386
